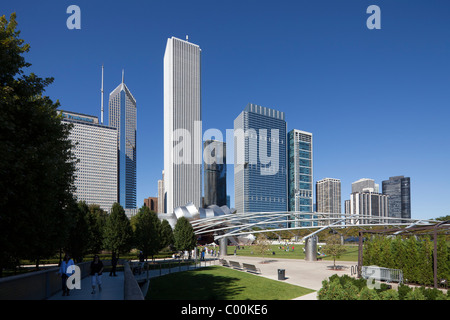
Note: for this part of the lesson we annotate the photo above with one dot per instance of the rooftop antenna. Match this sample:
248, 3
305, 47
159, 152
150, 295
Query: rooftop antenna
102, 93
123, 75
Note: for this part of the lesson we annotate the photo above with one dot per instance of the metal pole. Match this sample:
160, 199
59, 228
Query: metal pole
360, 253
435, 257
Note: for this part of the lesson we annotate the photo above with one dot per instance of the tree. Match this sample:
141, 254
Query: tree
334, 247
97, 221
36, 160
184, 235
118, 233
167, 238
262, 245
79, 239
147, 233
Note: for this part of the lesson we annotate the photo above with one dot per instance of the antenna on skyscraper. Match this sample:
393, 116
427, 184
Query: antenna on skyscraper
102, 95
187, 38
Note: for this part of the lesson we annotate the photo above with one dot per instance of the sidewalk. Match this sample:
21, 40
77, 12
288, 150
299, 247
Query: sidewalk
112, 289
307, 274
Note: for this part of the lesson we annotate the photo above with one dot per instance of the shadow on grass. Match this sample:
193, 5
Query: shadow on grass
193, 286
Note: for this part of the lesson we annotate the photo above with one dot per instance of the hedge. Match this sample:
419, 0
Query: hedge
348, 288
414, 257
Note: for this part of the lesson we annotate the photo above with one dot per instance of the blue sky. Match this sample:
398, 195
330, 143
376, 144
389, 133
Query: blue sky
376, 101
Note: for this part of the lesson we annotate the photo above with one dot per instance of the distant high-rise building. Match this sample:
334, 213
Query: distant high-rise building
215, 173
122, 116
300, 177
151, 203
161, 195
260, 160
399, 191
368, 204
96, 150
365, 185
328, 198
182, 124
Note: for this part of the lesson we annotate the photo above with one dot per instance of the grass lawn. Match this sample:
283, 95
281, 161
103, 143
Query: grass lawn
350, 255
220, 283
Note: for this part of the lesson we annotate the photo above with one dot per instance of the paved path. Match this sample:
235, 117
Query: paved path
307, 274
112, 289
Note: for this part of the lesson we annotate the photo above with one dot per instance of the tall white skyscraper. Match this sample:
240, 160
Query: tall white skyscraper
96, 150
182, 124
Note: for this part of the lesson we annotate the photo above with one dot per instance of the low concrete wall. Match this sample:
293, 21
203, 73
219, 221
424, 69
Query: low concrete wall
132, 291
38, 285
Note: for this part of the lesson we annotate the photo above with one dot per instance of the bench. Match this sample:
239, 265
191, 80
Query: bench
224, 263
251, 268
235, 265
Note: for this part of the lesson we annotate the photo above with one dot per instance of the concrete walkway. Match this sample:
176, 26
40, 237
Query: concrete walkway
112, 289
307, 274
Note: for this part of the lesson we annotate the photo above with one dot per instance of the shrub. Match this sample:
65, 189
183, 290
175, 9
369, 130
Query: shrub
403, 291
368, 294
390, 294
415, 294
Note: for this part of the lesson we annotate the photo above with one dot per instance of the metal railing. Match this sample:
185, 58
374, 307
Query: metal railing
382, 274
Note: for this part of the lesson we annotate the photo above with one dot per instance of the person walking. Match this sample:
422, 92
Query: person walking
96, 274
63, 271
113, 265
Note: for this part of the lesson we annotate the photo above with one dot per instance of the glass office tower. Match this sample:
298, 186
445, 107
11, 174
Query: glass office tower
215, 173
398, 190
122, 116
300, 177
260, 160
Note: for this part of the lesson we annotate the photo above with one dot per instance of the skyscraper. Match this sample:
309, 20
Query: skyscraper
260, 178
328, 197
122, 116
215, 173
96, 150
398, 190
300, 178
182, 124
161, 195
365, 185
369, 204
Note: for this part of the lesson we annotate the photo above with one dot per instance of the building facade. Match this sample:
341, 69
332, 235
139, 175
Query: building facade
260, 172
300, 176
328, 198
215, 173
123, 117
399, 191
161, 195
182, 124
368, 204
96, 149
151, 203
365, 185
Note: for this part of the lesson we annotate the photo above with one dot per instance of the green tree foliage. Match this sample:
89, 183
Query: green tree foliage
424, 264
118, 232
78, 240
97, 223
334, 247
167, 238
184, 235
36, 161
147, 232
